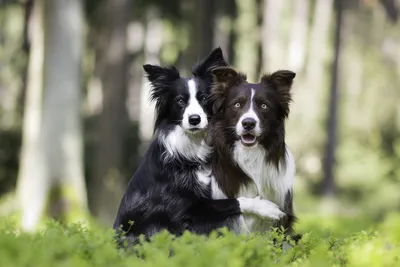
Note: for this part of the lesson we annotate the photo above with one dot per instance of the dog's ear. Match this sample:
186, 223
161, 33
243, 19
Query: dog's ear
281, 81
161, 79
214, 60
225, 75
224, 78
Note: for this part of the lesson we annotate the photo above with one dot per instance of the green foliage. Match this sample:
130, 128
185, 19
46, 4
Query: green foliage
75, 245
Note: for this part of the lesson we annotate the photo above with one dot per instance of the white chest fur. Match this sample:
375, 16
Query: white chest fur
269, 182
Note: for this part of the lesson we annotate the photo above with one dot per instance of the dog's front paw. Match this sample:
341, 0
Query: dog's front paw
261, 207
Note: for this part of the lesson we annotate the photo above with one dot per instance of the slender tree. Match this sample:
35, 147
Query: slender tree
61, 136
51, 163
107, 184
31, 186
328, 186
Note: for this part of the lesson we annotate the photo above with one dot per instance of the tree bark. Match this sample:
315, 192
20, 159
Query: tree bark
328, 186
247, 34
223, 26
107, 184
201, 14
31, 185
26, 49
61, 136
51, 163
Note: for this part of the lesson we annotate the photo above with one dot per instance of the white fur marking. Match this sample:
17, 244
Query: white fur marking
271, 183
260, 207
204, 176
216, 192
178, 142
249, 114
193, 108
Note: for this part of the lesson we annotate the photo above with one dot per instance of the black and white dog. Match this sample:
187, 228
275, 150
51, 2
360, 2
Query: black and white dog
248, 134
172, 187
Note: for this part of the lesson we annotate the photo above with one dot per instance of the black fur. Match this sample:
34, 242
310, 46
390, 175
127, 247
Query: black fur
164, 192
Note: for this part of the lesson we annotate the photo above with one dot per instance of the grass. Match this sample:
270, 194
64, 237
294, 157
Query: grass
327, 241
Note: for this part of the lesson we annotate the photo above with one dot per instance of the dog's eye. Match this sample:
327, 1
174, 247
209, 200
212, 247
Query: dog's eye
263, 106
180, 101
237, 105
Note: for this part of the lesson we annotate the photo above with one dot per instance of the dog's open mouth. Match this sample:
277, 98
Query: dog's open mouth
248, 139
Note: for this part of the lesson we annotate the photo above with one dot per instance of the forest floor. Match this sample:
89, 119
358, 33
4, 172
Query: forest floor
328, 241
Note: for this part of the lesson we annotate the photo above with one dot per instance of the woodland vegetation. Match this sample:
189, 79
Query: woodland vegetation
75, 116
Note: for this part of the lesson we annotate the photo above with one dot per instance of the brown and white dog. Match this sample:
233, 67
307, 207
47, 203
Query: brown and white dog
248, 134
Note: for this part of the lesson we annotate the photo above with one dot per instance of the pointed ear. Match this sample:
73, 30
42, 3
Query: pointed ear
227, 76
161, 79
281, 81
214, 60
224, 78
161, 74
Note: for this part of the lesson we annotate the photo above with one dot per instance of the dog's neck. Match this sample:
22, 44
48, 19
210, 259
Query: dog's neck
181, 145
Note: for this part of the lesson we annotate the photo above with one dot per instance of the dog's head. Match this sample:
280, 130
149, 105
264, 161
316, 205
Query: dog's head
253, 111
183, 101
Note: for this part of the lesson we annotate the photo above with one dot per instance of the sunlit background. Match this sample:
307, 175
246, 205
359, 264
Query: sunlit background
75, 116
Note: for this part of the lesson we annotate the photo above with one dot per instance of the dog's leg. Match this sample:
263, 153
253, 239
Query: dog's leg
288, 221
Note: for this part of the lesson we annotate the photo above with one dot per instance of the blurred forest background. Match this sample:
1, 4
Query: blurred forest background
75, 116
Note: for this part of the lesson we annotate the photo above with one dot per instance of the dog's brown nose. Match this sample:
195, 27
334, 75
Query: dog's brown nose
249, 124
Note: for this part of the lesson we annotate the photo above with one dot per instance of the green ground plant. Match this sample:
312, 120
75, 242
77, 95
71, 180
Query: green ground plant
333, 242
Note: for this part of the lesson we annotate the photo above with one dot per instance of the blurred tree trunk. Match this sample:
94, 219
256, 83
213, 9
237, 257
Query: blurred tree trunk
31, 185
52, 163
151, 51
298, 36
205, 22
26, 49
107, 184
328, 185
247, 34
313, 82
201, 31
391, 9
272, 47
224, 19
61, 136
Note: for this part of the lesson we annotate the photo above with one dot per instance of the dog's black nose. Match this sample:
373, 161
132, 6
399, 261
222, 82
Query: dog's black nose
249, 124
194, 120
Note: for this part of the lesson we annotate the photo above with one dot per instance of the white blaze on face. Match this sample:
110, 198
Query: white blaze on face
193, 109
250, 114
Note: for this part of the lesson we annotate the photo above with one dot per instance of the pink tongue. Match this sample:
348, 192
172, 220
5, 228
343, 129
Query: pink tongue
248, 138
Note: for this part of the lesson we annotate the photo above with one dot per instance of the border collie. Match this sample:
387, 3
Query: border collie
171, 189
248, 134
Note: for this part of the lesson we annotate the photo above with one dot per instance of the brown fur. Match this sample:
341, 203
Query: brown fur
230, 87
